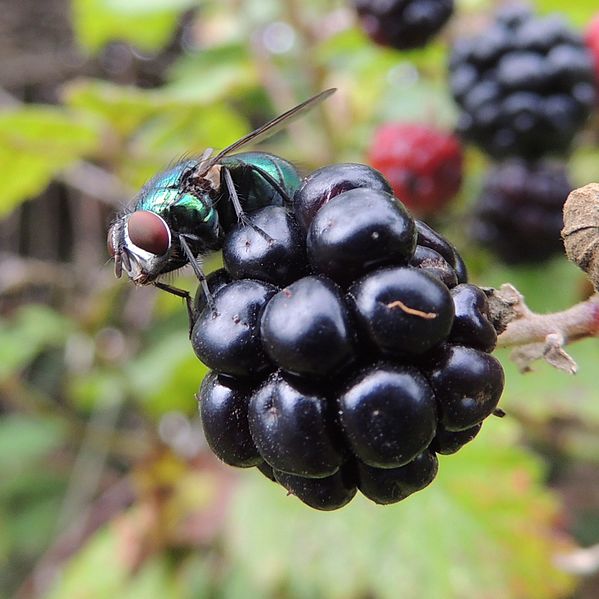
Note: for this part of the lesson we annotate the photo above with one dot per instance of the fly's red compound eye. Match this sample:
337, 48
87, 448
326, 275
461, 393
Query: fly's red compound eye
148, 232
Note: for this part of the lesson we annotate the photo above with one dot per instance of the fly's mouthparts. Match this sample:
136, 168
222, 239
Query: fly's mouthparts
126, 259
118, 266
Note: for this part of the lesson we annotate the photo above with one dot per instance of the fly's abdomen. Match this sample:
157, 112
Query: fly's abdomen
261, 179
281, 170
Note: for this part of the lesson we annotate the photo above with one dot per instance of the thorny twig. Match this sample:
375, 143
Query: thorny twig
541, 336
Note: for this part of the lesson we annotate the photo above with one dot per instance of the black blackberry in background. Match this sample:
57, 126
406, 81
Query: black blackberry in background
525, 85
403, 24
518, 215
351, 365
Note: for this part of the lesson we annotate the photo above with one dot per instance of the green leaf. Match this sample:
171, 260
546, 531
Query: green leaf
166, 376
104, 567
36, 142
167, 119
142, 7
577, 13
213, 74
99, 387
547, 393
24, 441
148, 25
34, 328
125, 108
484, 526
190, 130
30, 526
534, 282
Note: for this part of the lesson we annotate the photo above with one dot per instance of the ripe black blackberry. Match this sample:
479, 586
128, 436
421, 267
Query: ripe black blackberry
518, 214
355, 354
403, 24
525, 85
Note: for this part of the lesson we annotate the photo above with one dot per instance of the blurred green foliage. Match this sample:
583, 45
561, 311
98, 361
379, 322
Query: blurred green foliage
98, 499
35, 144
148, 24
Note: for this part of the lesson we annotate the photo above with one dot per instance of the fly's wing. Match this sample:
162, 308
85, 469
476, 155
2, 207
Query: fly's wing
268, 129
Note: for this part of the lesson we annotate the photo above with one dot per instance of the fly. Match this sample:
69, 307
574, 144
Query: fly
185, 211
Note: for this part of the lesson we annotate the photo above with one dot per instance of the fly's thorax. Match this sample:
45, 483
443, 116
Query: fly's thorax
213, 177
185, 201
163, 189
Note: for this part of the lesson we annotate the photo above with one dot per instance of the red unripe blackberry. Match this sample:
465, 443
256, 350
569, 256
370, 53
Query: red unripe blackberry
591, 39
423, 165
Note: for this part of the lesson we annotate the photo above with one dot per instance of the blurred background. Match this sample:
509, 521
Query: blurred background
107, 488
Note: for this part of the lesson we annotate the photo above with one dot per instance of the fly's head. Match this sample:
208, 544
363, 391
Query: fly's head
142, 246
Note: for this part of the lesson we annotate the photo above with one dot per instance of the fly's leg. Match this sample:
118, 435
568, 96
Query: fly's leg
180, 293
241, 216
199, 273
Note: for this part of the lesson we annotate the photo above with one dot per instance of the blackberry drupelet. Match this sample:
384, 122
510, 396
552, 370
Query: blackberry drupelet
270, 247
358, 231
525, 85
329, 181
226, 335
351, 365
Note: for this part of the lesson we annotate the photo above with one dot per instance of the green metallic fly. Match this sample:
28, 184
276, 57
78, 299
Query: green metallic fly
184, 212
